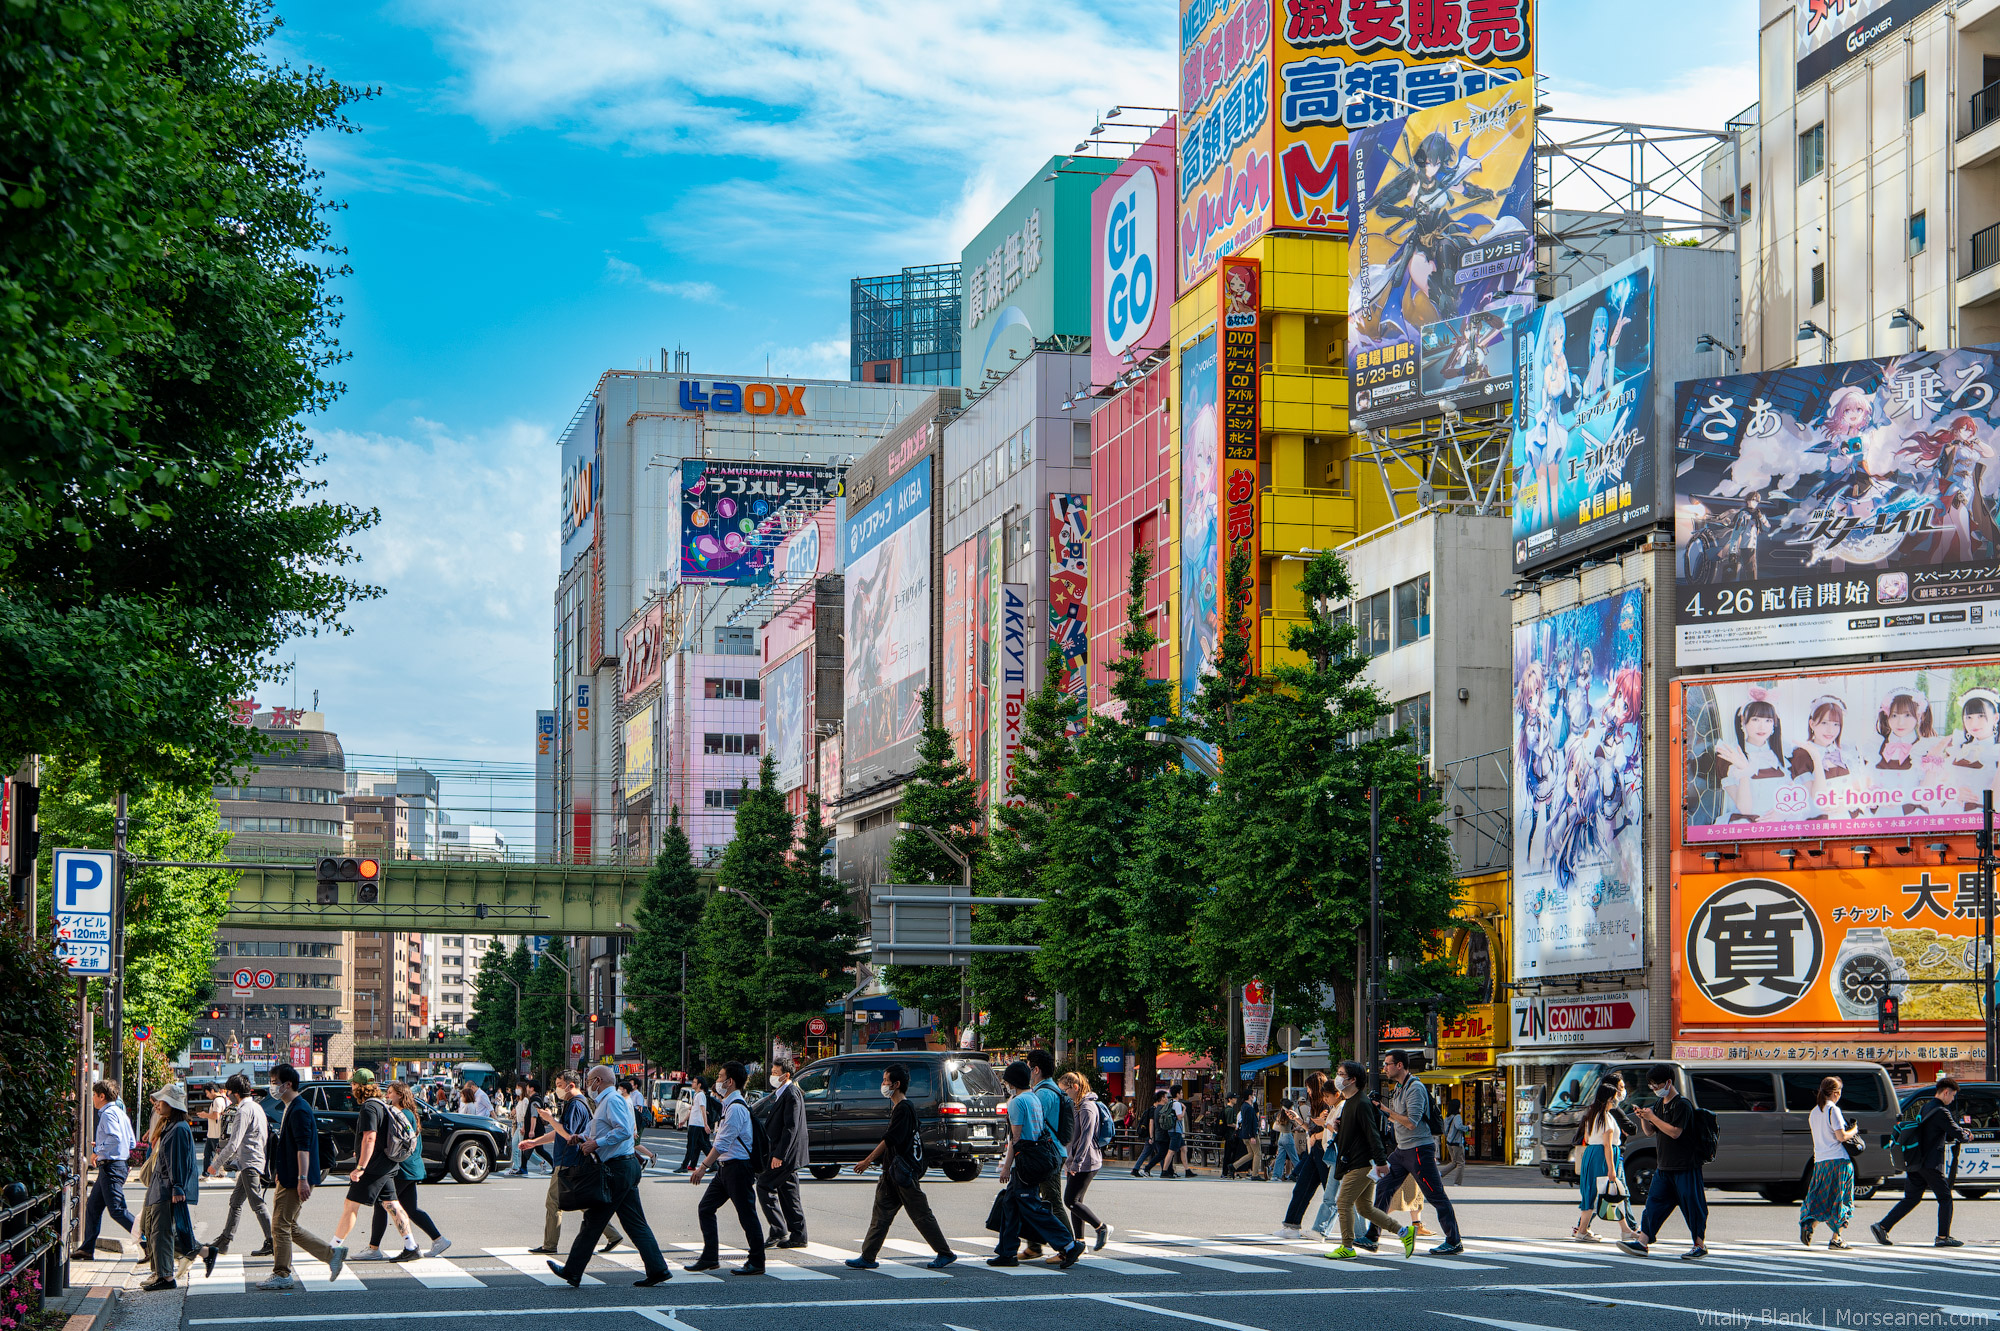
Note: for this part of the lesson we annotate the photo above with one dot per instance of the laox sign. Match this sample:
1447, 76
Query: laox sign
755, 399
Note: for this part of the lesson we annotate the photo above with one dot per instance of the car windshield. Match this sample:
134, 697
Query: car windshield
967, 1077
1576, 1088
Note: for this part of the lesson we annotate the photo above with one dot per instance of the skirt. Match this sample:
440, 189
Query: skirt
1591, 1173
1830, 1196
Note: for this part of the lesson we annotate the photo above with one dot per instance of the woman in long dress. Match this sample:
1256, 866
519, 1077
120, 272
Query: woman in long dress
1602, 1164
1830, 1195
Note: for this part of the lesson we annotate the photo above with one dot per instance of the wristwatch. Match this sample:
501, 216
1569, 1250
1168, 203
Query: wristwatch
1864, 969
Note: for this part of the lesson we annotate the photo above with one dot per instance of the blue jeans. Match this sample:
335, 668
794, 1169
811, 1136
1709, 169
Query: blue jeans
1671, 1188
106, 1194
1285, 1157
1420, 1163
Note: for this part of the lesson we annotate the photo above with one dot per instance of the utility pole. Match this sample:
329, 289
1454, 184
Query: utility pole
684, 1010
114, 1016
1374, 1013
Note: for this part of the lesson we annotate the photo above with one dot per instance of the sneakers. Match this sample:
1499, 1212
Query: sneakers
1881, 1234
1069, 1258
1947, 1241
1288, 1232
1003, 1261
1408, 1234
371, 1255
278, 1283
1448, 1250
208, 1260
1806, 1233
1695, 1254
1839, 1244
941, 1261
336, 1257
1103, 1233
1340, 1254
1635, 1247
437, 1248
157, 1284
862, 1263
409, 1254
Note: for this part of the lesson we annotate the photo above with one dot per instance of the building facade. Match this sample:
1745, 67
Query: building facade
903, 327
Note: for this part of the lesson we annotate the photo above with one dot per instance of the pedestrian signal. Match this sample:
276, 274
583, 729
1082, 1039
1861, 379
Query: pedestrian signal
1888, 1016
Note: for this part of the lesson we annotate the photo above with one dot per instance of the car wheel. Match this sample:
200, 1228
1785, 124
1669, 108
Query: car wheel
1970, 1194
962, 1171
1866, 1188
823, 1172
471, 1161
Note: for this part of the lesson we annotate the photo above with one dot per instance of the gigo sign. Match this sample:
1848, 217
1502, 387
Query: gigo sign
755, 399
1131, 229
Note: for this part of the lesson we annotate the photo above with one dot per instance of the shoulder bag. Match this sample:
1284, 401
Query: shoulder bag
583, 1185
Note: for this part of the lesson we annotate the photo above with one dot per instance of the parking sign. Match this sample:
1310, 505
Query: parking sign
83, 911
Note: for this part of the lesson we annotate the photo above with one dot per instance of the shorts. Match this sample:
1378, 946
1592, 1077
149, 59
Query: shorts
1175, 1141
377, 1184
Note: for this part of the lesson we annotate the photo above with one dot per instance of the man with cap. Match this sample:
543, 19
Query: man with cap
373, 1178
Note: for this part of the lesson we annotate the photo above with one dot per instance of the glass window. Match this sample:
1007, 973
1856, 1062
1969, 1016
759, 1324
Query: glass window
951, 501
1812, 152
964, 492
722, 799
964, 1077
1734, 1092
1819, 284
1916, 233
334, 1099
978, 479
1916, 98
1577, 1088
1413, 716
813, 1084
1374, 625
1013, 454
1079, 434
859, 1081
1413, 611
1858, 1094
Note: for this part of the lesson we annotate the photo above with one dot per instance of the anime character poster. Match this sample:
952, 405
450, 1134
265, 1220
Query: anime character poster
733, 514
954, 690
888, 619
1839, 509
1069, 597
1199, 511
1439, 243
1579, 789
785, 718
1884, 752
1239, 469
1584, 430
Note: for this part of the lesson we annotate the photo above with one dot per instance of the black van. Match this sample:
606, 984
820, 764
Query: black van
958, 1098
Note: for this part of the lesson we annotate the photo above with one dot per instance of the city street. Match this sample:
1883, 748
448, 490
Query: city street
1196, 1251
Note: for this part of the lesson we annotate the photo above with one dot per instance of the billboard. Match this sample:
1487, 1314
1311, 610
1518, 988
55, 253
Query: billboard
1069, 598
1584, 431
1027, 273
1579, 789
1834, 510
582, 483
1901, 751
638, 747
1199, 548
1131, 241
784, 708
888, 619
1237, 471
1440, 238
639, 659
1341, 68
1794, 952
734, 514
1224, 186
1011, 696
961, 657
1833, 32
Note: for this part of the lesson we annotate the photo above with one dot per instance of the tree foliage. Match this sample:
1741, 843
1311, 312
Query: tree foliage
545, 1015
942, 796
165, 324
491, 1029
814, 933
669, 910
37, 1058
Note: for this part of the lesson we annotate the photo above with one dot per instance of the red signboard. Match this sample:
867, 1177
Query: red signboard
817, 1026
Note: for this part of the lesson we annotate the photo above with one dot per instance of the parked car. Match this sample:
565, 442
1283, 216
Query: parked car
1764, 1143
1978, 1107
958, 1098
463, 1145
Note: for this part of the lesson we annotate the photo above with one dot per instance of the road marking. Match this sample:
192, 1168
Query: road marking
437, 1273
665, 1317
1118, 1302
1192, 1259
228, 1277
1504, 1326
315, 1277
535, 1266
1952, 1310
897, 1270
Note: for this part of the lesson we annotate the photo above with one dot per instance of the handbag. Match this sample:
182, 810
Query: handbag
1853, 1147
583, 1186
1611, 1199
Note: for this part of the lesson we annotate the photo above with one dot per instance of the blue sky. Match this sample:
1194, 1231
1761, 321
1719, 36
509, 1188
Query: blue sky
544, 191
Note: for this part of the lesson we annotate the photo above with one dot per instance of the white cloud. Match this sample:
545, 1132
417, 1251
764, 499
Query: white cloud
351, 167
826, 358
453, 658
706, 293
1702, 97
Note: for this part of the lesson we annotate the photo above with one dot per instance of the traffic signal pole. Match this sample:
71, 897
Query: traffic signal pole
1374, 937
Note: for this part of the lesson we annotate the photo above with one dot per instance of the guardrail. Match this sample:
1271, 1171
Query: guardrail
31, 1243
1985, 107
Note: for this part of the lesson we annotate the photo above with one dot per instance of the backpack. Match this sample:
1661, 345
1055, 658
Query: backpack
1064, 1125
1106, 1129
1433, 1116
1163, 1119
760, 1141
399, 1139
1707, 1132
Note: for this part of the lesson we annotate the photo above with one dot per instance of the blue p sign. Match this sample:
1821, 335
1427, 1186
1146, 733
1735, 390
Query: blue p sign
83, 880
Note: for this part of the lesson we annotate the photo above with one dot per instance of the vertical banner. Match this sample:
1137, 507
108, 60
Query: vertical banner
1013, 694
1238, 475
1200, 530
1069, 599
1225, 131
992, 595
1257, 1007
953, 690
301, 1048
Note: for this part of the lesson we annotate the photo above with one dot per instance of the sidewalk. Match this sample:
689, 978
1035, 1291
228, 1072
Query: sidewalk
97, 1288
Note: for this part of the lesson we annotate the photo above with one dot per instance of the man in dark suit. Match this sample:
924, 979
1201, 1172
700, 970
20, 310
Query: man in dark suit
784, 1115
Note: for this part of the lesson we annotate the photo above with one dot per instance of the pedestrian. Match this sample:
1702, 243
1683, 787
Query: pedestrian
1927, 1169
1408, 1107
1285, 1154
372, 1181
901, 1186
1677, 1180
244, 1150
472, 1100
1359, 1157
295, 1169
564, 1125
733, 1181
213, 1129
697, 1126
1454, 1142
1056, 1107
408, 1176
516, 1111
174, 1188
1177, 1140
642, 1114
1158, 1121
1250, 1131
1231, 1140
1312, 1170
111, 1151
1830, 1195
1601, 1167
1034, 1154
1085, 1157
784, 1113
608, 1139
529, 1125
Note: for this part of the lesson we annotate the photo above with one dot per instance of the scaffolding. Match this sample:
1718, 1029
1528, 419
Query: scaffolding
910, 317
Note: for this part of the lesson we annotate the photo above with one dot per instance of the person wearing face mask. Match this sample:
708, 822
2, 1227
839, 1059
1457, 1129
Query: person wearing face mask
1677, 1182
1601, 1168
1937, 1128
1358, 1155
784, 1115
900, 1188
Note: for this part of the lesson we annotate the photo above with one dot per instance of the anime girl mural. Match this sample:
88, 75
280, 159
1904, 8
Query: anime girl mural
1950, 466
1535, 756
1200, 551
1550, 388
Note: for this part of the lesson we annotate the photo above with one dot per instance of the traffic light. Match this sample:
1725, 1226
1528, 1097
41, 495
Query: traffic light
368, 881
1888, 1016
365, 874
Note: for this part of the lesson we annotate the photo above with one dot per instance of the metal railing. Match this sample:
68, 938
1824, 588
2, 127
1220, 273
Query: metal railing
31, 1242
1985, 249
1476, 796
1985, 108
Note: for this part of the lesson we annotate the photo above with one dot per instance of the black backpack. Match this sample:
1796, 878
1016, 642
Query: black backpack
1065, 1124
1707, 1132
760, 1136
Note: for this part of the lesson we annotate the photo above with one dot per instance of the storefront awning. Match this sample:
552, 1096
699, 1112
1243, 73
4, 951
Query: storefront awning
1177, 1062
1248, 1068
879, 1003
1564, 1057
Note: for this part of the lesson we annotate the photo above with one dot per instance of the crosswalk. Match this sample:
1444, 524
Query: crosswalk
1138, 1256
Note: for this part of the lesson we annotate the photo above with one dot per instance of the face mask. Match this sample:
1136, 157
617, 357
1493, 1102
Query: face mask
885, 1090
1340, 1083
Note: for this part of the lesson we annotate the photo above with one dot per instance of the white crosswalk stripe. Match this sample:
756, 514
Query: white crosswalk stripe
228, 1277
895, 1270
534, 1265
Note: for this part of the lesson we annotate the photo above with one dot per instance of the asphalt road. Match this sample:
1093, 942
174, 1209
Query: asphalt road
1197, 1251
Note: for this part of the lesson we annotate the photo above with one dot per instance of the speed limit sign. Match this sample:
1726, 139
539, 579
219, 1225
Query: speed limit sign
265, 979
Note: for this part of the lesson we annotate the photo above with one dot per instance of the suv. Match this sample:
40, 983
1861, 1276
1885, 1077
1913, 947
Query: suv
466, 1146
1764, 1143
958, 1098
1978, 1107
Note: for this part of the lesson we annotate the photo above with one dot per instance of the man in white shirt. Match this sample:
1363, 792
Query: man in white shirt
733, 1181
110, 1151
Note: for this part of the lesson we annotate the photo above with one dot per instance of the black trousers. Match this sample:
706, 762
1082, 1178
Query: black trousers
697, 1147
778, 1194
1029, 1214
732, 1183
406, 1193
621, 1180
1079, 1214
890, 1199
1913, 1192
106, 1194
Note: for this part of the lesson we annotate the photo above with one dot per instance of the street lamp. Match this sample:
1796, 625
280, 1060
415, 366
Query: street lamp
1709, 343
1901, 317
768, 923
1808, 330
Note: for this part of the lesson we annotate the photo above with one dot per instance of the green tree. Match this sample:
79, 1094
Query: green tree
940, 795
545, 1026
813, 951
731, 1003
38, 1055
656, 964
166, 325
492, 1029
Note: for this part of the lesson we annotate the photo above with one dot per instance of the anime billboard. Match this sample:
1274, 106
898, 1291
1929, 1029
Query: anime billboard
1834, 510
1440, 242
1579, 789
1897, 752
1584, 430
1069, 597
734, 514
784, 710
1200, 549
888, 629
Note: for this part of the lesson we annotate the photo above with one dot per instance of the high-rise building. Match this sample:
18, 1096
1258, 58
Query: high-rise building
903, 328
419, 794
389, 1002
451, 976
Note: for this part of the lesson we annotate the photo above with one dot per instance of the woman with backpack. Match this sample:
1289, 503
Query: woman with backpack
408, 1176
1830, 1195
1086, 1154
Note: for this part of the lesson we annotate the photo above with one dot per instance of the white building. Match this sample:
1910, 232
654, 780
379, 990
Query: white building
470, 841
451, 974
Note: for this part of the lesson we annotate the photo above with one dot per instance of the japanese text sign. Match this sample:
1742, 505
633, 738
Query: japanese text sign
1225, 132
1237, 471
83, 910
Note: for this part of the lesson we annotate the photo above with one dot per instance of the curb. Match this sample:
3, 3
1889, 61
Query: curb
93, 1310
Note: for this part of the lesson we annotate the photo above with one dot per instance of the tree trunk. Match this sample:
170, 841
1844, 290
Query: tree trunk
1144, 1076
